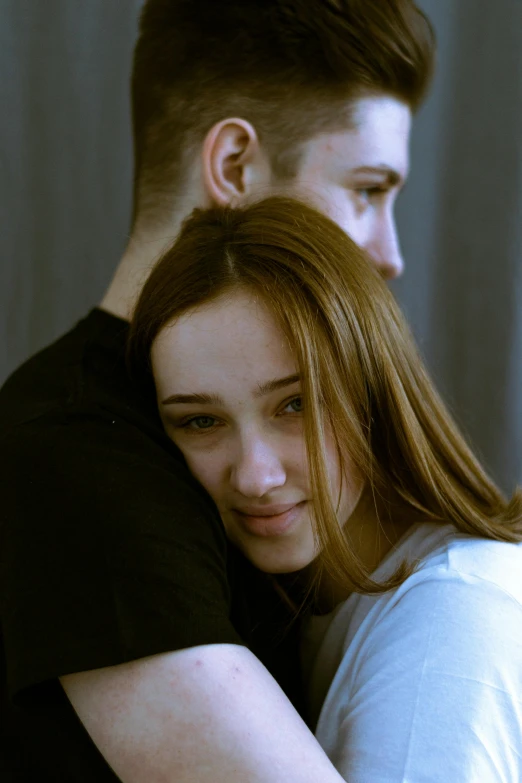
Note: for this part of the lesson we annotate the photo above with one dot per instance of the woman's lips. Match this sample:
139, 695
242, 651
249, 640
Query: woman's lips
270, 524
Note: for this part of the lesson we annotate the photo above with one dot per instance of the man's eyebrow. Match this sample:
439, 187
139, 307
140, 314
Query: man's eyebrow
215, 399
393, 176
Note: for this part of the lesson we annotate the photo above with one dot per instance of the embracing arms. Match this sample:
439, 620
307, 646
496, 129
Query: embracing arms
209, 714
115, 574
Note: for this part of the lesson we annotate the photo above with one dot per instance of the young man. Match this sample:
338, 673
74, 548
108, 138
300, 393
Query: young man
129, 627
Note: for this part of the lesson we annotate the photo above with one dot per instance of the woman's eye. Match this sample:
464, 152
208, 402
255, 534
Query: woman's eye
199, 423
294, 406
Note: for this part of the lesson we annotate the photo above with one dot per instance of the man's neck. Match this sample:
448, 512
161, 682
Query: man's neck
133, 271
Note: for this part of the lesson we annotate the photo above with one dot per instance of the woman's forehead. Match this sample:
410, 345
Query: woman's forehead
233, 341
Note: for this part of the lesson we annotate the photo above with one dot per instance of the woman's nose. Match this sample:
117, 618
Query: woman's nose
258, 468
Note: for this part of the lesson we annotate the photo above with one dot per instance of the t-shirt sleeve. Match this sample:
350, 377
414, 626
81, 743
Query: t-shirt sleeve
435, 694
110, 550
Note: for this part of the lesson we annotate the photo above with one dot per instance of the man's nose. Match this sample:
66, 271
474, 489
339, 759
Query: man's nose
257, 468
385, 250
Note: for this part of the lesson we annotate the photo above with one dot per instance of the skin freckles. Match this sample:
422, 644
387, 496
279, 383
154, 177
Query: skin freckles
229, 397
246, 449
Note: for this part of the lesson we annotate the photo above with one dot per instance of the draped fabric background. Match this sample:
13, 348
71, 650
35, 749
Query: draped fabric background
65, 174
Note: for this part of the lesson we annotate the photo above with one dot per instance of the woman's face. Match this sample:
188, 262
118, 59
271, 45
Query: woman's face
229, 396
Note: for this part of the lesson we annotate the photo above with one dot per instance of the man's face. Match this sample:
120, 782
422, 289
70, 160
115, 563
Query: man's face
354, 177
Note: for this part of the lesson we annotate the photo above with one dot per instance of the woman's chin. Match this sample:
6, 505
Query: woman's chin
278, 558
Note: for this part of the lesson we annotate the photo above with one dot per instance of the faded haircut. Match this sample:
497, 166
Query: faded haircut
289, 67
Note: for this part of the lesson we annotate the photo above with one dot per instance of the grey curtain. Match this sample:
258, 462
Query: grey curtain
65, 174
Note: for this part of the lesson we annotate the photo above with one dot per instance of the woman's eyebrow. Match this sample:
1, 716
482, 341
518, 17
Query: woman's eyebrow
193, 399
279, 383
215, 399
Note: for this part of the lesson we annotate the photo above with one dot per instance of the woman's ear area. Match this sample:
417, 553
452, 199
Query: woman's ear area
233, 162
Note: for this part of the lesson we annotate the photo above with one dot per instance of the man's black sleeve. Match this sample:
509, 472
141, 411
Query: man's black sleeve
110, 551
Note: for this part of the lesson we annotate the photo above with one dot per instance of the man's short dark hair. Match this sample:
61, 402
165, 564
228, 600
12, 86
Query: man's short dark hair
290, 67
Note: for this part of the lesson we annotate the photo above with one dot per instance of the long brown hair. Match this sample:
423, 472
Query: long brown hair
363, 379
289, 67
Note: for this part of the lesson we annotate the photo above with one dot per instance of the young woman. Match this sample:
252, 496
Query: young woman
288, 378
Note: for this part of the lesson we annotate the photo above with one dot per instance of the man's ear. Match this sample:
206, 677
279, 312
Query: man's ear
232, 161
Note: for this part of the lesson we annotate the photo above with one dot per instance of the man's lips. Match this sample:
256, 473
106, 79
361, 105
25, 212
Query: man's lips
269, 521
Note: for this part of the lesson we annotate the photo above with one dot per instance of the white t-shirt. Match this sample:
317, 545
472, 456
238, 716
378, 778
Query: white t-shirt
423, 684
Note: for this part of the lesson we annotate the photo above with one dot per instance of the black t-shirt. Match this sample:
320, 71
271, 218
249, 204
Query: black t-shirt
109, 550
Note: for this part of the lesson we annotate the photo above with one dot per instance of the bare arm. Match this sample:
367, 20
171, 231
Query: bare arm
209, 714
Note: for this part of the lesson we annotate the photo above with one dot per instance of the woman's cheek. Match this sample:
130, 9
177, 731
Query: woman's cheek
206, 469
